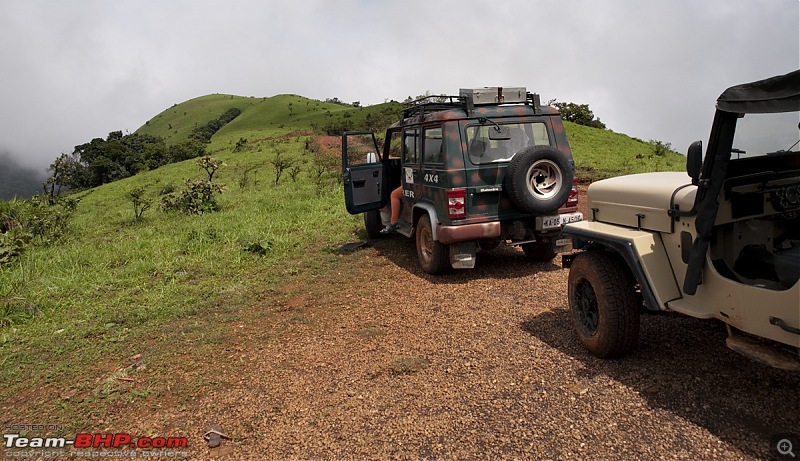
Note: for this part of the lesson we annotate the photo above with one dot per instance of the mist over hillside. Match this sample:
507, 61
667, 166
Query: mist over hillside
18, 180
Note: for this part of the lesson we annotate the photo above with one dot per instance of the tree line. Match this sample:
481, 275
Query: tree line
119, 156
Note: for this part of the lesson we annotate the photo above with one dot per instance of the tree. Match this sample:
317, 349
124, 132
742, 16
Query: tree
140, 203
62, 174
211, 165
280, 162
185, 151
118, 156
204, 133
577, 113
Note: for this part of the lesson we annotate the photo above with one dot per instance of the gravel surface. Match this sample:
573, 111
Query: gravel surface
385, 362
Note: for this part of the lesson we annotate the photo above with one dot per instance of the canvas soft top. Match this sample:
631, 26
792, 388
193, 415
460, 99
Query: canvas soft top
775, 94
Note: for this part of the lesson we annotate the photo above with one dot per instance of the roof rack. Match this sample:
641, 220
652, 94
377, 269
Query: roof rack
469, 98
433, 103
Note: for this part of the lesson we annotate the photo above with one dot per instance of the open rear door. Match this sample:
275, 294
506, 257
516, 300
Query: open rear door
362, 171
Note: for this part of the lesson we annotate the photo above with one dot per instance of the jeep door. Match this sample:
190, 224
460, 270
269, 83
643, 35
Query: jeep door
362, 172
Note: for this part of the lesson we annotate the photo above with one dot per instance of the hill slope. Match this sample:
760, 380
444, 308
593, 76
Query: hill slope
602, 154
598, 153
261, 118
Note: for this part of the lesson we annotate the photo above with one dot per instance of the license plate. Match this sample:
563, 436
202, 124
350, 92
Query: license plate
562, 242
556, 221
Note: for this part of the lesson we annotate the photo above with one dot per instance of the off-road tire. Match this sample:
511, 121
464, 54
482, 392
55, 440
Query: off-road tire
539, 179
541, 251
373, 223
602, 304
434, 257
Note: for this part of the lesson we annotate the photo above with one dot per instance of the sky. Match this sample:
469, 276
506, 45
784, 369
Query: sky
79, 69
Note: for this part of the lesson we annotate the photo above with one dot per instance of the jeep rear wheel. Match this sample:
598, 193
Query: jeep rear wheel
603, 304
539, 179
373, 223
433, 256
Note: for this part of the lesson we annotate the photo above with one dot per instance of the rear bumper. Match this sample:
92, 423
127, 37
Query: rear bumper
516, 230
466, 232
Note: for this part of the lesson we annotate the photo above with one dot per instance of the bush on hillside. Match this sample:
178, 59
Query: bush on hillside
139, 201
41, 220
195, 199
326, 157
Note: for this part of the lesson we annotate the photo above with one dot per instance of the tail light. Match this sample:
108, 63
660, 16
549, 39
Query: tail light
456, 203
573, 194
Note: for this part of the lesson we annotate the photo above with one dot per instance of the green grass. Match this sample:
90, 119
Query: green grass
602, 154
116, 285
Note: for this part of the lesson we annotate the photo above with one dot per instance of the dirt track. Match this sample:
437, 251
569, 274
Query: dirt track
385, 362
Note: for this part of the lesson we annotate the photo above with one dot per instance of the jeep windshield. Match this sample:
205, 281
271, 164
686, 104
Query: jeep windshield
766, 134
493, 142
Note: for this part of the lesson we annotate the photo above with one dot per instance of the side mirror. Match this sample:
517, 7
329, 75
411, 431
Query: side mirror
694, 161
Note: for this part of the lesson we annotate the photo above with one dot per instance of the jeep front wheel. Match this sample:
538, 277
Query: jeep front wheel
603, 304
434, 257
539, 179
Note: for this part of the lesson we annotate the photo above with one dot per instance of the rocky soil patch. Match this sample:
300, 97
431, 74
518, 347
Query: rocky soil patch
390, 363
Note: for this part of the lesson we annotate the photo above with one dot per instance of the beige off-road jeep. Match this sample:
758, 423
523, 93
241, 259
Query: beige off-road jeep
722, 241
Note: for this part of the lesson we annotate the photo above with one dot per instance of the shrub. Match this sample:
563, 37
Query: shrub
12, 244
140, 203
210, 165
197, 198
42, 219
48, 217
245, 178
240, 145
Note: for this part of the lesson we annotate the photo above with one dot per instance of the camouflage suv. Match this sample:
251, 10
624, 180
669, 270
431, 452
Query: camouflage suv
721, 242
488, 166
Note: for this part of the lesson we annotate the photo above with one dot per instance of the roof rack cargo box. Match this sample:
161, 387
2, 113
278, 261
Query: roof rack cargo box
494, 95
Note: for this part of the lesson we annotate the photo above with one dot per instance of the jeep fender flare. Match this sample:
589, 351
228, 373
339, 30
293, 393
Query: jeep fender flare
422, 208
595, 236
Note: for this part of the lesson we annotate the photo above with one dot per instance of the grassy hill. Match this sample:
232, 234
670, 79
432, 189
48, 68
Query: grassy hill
73, 311
598, 153
602, 154
260, 118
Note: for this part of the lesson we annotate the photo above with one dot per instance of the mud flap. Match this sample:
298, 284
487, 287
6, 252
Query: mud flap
462, 255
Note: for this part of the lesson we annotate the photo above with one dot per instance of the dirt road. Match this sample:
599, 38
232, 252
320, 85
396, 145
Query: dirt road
381, 361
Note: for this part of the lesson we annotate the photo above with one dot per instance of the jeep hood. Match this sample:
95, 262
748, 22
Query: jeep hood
641, 200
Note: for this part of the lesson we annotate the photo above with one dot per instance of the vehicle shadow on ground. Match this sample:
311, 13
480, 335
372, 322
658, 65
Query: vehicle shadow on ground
683, 366
503, 262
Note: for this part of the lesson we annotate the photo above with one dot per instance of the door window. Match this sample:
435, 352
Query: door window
432, 146
411, 146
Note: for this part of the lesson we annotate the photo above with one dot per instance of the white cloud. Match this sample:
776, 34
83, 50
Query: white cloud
80, 69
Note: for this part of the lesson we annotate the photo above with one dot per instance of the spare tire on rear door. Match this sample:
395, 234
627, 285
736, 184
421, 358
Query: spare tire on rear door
539, 179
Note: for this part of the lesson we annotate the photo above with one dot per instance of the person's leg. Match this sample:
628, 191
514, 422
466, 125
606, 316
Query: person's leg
397, 202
